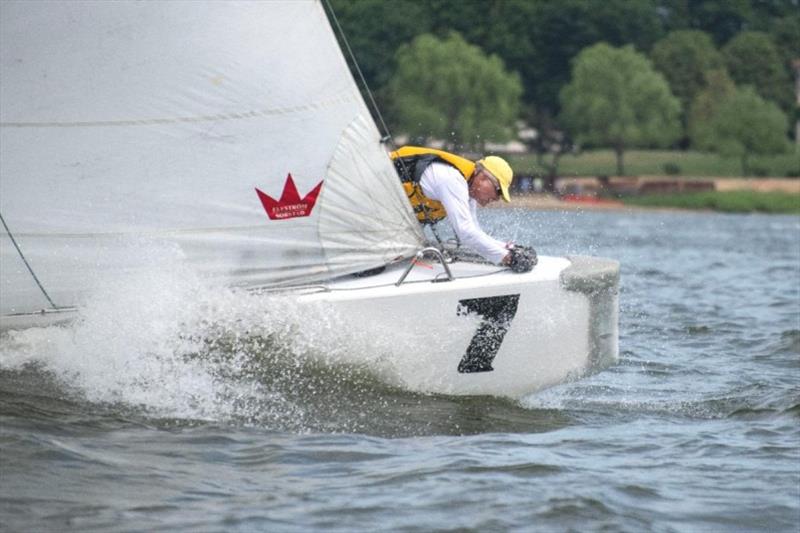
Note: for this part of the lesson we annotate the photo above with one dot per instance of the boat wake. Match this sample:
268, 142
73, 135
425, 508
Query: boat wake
173, 346
171, 349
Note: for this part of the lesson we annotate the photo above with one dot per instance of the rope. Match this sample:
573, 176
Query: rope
25, 261
388, 136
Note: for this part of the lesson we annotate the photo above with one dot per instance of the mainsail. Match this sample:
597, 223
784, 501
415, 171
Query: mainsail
230, 131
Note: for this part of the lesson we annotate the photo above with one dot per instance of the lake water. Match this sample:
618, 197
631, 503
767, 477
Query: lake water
159, 412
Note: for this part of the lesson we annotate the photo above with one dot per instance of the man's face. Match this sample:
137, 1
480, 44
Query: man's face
482, 188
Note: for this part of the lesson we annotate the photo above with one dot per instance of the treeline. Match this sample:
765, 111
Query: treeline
713, 75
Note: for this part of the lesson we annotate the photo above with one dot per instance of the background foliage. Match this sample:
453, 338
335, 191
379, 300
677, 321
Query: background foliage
752, 59
616, 99
684, 57
697, 45
452, 90
747, 125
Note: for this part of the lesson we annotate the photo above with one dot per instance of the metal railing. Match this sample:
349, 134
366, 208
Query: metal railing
420, 255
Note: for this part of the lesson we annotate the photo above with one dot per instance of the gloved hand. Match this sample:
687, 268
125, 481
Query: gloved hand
523, 258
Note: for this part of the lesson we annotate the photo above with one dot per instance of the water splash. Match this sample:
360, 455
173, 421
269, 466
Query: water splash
173, 345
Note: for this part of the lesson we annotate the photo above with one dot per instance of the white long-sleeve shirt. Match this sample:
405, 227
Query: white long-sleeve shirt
445, 184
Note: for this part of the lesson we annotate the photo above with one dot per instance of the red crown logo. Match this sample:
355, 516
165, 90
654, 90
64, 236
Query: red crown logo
290, 205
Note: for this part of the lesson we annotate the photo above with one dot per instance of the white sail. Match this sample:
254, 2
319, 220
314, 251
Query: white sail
128, 125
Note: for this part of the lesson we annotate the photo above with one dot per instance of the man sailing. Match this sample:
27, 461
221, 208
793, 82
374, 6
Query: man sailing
440, 184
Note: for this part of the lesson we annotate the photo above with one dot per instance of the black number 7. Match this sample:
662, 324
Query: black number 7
497, 312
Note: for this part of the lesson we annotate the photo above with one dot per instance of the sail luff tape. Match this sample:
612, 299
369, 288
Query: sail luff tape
25, 261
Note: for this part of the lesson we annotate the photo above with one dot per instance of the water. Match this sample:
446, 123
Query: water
181, 407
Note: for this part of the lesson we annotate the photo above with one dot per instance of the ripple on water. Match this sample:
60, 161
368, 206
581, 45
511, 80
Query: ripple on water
790, 341
521, 470
575, 508
640, 491
659, 275
228, 427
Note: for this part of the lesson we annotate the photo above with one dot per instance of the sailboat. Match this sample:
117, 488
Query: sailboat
234, 134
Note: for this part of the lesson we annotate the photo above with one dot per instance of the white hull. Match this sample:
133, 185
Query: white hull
556, 323
565, 325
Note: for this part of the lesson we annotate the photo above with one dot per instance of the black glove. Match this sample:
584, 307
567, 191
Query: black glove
523, 259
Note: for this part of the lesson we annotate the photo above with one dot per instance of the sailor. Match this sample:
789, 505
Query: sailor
440, 184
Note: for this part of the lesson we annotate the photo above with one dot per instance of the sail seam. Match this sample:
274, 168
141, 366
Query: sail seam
177, 120
175, 232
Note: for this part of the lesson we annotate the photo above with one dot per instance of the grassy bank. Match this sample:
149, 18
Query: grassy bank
662, 162
728, 201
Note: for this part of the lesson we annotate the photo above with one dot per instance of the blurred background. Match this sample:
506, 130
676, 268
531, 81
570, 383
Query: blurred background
641, 101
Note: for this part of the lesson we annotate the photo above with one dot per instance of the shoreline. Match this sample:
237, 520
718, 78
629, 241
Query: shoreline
590, 202
787, 185
548, 202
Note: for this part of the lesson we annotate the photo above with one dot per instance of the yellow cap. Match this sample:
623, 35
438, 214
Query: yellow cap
501, 170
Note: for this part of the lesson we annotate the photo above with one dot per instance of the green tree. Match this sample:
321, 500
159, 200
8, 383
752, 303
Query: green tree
787, 38
617, 99
721, 18
374, 45
452, 90
786, 33
684, 57
718, 87
745, 125
538, 37
558, 31
753, 59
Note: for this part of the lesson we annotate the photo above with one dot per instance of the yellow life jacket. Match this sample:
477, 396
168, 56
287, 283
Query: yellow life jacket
411, 162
